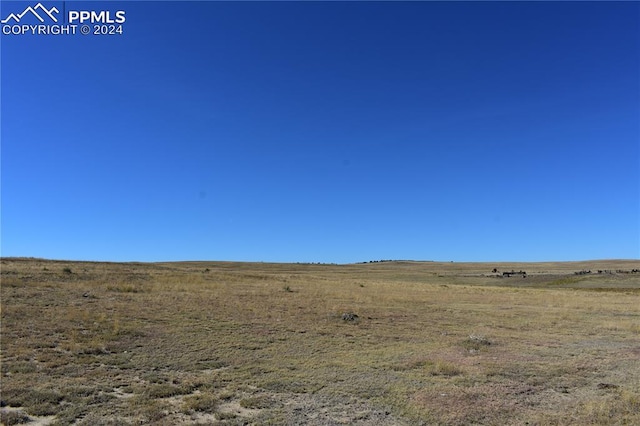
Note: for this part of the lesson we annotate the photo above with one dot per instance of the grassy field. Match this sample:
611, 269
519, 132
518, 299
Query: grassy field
256, 343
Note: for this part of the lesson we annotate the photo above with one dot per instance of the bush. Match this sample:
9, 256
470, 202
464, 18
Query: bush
10, 418
166, 391
201, 402
475, 342
256, 402
445, 369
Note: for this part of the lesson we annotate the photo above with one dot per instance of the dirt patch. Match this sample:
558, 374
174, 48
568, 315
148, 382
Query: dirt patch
318, 410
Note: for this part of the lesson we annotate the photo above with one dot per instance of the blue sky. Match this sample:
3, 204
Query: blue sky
325, 132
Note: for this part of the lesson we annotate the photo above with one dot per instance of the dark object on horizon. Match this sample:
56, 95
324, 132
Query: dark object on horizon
508, 274
349, 316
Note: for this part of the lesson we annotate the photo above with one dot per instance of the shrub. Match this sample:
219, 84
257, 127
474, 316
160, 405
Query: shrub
475, 342
261, 401
442, 368
11, 418
165, 391
200, 402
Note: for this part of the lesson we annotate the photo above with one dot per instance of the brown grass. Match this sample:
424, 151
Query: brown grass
236, 343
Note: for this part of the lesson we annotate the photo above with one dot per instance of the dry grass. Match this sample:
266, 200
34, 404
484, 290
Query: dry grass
233, 343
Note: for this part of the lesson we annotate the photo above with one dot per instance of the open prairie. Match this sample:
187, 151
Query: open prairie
387, 343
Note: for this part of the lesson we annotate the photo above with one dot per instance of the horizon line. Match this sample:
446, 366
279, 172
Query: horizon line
372, 261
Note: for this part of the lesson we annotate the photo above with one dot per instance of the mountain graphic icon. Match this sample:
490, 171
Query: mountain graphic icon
34, 11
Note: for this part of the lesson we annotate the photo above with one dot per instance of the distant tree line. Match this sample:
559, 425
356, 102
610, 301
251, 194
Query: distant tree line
618, 271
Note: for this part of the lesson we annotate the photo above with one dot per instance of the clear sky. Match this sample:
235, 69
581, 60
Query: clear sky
325, 132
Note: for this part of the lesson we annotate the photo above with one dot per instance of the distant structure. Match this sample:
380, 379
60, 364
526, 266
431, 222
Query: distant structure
508, 274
